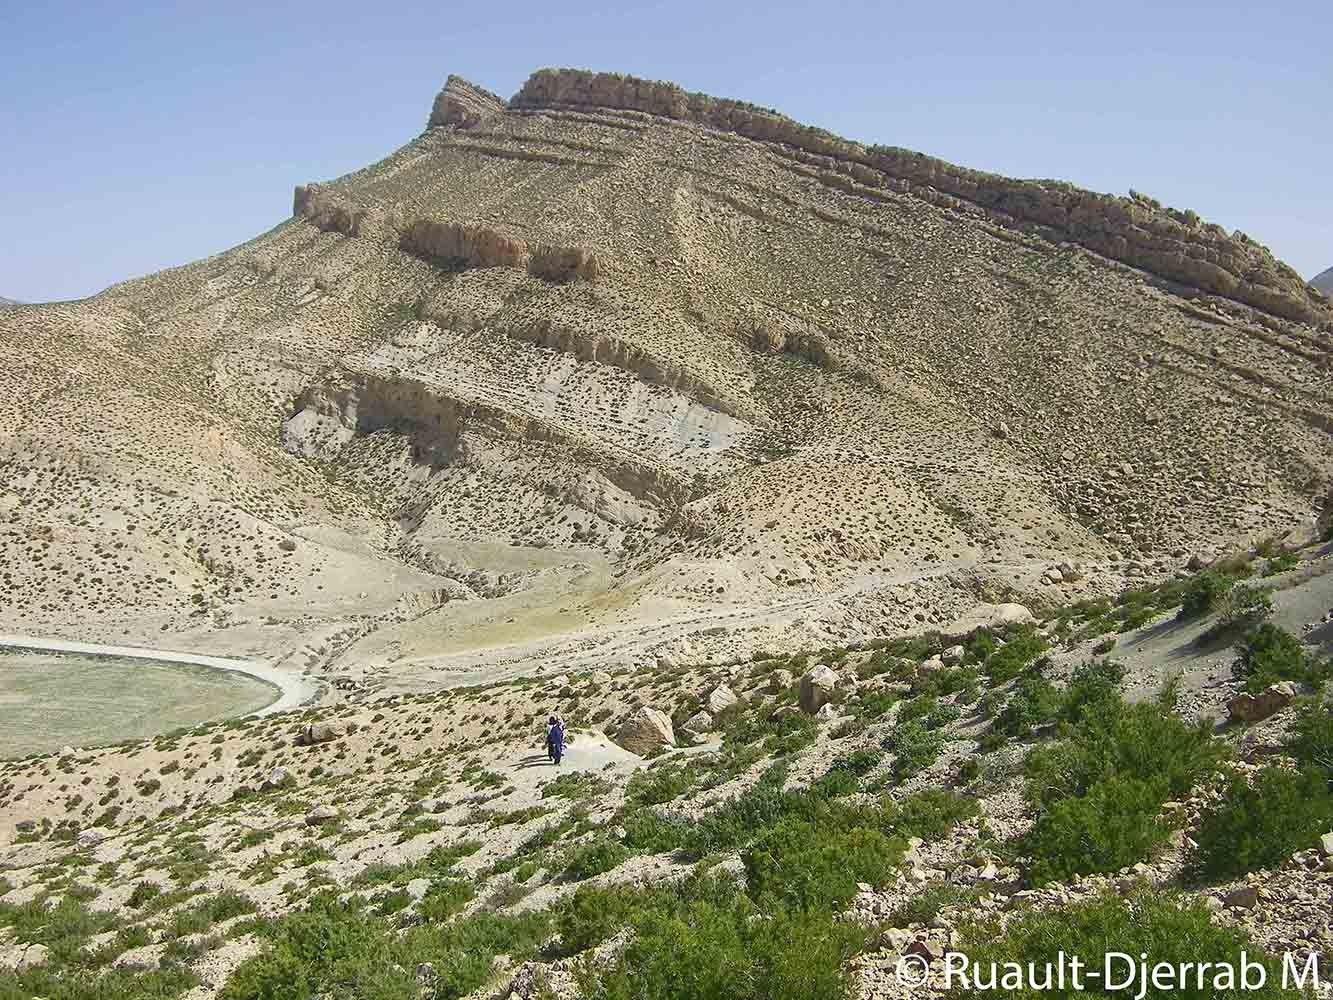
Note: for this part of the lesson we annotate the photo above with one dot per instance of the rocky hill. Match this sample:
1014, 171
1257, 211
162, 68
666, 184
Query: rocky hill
1323, 281
923, 562
8, 302
613, 370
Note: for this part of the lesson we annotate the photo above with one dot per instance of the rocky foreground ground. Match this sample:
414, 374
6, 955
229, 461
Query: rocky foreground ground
792, 824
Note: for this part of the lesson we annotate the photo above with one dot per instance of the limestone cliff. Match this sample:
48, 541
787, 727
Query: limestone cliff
454, 244
1136, 230
463, 104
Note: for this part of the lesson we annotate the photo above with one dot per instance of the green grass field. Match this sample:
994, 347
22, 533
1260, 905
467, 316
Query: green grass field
52, 700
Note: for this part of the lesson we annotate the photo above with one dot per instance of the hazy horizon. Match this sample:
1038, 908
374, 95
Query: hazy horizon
157, 137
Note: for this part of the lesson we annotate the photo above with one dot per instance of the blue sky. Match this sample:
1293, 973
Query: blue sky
140, 136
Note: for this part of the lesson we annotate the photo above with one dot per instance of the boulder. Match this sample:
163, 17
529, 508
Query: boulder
33, 956
646, 730
779, 681
699, 722
953, 656
90, 838
817, 687
321, 815
1244, 898
601, 678
990, 617
320, 732
720, 698
1256, 707
1326, 845
828, 712
279, 777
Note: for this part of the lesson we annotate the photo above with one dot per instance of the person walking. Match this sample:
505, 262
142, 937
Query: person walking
555, 740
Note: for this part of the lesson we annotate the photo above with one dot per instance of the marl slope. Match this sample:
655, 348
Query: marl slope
615, 368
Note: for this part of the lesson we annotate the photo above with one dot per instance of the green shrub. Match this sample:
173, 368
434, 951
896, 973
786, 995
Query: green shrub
1242, 607
444, 898
1095, 682
725, 948
1112, 826
1100, 790
1260, 825
1014, 657
1311, 739
800, 864
1269, 654
928, 814
1149, 923
1033, 702
1203, 593
143, 892
595, 858
915, 747
338, 949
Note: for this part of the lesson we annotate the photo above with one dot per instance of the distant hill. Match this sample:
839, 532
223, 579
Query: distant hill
1323, 282
8, 302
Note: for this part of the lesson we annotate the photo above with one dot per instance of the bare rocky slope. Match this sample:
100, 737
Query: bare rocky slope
614, 370
1323, 281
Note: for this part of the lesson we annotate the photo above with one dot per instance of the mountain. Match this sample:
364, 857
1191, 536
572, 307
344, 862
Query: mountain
8, 302
852, 509
1323, 281
613, 370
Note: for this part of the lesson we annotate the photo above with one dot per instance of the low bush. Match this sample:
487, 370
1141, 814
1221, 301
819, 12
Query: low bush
713, 941
1269, 654
799, 864
1099, 791
1311, 739
1150, 923
1262, 824
915, 747
595, 858
338, 949
1202, 594
1014, 657
1034, 701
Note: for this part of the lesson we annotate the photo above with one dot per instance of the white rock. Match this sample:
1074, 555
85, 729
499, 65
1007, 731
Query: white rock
720, 698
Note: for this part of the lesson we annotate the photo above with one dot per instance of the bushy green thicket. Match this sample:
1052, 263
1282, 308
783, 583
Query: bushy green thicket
709, 939
1311, 739
915, 746
1100, 789
796, 863
742, 819
332, 948
72, 971
1260, 825
1014, 656
1269, 654
595, 858
1147, 922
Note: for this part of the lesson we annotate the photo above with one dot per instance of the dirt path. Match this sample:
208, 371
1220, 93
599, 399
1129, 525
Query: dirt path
293, 689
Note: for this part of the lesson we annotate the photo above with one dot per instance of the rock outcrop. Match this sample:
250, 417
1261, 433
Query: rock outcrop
457, 245
645, 731
817, 687
1257, 707
463, 104
1136, 230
